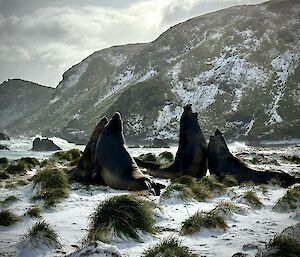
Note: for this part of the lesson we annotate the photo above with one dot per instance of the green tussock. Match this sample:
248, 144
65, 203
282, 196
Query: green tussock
3, 175
165, 157
53, 186
167, 248
9, 200
8, 218
20, 166
187, 187
229, 181
290, 201
41, 232
68, 155
203, 220
4, 162
293, 159
149, 157
252, 198
34, 211
122, 215
226, 209
281, 246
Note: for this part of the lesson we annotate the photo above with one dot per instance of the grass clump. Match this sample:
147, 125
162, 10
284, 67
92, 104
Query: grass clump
4, 162
8, 218
68, 155
169, 247
165, 157
16, 168
252, 198
41, 233
3, 175
290, 201
226, 209
149, 157
293, 159
203, 220
9, 200
34, 211
53, 186
281, 246
122, 215
229, 181
187, 187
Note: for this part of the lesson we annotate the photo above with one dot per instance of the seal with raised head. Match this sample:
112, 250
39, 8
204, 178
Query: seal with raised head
191, 156
85, 167
221, 162
118, 168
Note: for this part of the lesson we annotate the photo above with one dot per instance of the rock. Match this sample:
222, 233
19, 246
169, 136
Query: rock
3, 147
97, 249
44, 144
240, 255
4, 137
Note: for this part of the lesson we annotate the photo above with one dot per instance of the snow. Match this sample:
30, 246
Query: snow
70, 219
74, 78
148, 75
284, 65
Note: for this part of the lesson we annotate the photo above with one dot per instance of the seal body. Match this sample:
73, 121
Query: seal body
191, 156
221, 162
85, 169
118, 169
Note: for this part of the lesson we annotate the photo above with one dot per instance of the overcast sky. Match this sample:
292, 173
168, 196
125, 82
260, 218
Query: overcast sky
40, 39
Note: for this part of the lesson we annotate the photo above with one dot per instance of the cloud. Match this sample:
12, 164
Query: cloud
50, 38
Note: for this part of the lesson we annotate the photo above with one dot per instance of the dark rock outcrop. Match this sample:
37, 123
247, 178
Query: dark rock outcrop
3, 147
4, 137
44, 144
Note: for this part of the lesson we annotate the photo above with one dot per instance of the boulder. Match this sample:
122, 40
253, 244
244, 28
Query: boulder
3, 147
4, 137
44, 144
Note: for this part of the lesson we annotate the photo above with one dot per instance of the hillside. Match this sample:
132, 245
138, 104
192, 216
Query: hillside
19, 100
239, 67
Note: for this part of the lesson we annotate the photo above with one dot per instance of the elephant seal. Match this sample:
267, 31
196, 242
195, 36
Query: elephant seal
221, 162
191, 156
118, 168
85, 167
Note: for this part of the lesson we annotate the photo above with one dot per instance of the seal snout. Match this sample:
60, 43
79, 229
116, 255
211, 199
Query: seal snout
218, 132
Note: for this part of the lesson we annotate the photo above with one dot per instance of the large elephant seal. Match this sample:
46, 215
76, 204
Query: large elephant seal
221, 162
118, 168
85, 167
191, 156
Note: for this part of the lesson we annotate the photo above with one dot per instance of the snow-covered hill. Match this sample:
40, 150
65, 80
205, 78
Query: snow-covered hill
239, 67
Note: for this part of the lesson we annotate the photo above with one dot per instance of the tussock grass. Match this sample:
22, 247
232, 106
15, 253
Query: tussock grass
4, 162
165, 157
9, 200
290, 201
226, 209
281, 246
229, 181
68, 155
203, 220
252, 198
187, 187
53, 185
167, 248
34, 211
16, 168
20, 166
8, 218
122, 216
293, 159
149, 157
41, 233
4, 175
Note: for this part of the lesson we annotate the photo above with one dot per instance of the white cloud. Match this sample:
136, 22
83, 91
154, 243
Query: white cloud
52, 39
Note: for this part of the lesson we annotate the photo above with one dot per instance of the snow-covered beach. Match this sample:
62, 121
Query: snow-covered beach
70, 218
